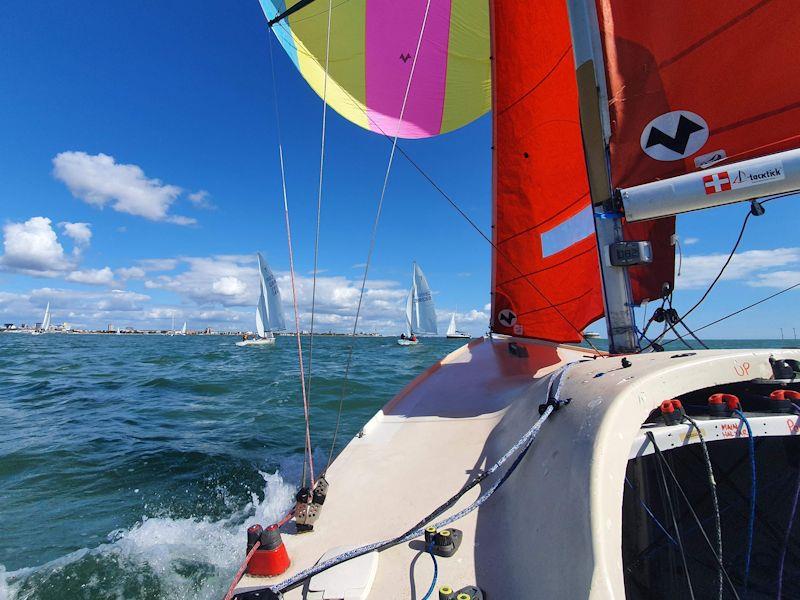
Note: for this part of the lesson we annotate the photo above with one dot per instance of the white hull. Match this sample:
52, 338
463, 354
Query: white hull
459, 336
462, 414
407, 342
259, 342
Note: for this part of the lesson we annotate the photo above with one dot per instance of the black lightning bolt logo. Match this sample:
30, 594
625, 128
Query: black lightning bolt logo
507, 318
678, 143
405, 57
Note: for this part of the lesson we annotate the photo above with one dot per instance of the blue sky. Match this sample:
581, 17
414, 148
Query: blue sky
171, 110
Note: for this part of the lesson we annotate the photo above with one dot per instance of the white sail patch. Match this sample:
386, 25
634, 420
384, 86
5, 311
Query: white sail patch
567, 233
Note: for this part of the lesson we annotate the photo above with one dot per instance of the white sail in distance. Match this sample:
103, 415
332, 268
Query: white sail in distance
183, 329
420, 312
269, 312
451, 329
46, 318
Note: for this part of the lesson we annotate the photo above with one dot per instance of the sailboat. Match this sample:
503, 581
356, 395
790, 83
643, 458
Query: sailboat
45, 326
183, 329
522, 465
269, 311
420, 312
452, 332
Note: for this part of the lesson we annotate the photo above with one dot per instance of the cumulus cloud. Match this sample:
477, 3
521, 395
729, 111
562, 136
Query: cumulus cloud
126, 273
104, 276
98, 179
690, 241
229, 286
33, 248
755, 267
775, 279
80, 233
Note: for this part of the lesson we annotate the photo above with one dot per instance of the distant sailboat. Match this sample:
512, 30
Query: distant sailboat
45, 322
269, 311
420, 312
452, 332
183, 329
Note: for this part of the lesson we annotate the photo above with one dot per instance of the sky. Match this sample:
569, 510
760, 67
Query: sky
139, 176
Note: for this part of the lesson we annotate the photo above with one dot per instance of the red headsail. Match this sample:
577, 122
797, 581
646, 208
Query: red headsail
546, 272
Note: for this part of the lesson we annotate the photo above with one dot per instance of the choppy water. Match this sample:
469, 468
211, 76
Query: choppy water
130, 466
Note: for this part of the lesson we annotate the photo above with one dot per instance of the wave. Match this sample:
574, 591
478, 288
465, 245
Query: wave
158, 557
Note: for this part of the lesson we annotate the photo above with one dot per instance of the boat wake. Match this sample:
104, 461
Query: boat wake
158, 557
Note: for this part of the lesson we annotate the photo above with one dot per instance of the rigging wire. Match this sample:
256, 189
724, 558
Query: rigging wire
650, 512
671, 326
751, 520
714, 502
663, 461
673, 518
309, 458
787, 537
319, 215
374, 234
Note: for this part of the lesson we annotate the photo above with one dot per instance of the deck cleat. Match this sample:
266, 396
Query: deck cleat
271, 558
445, 542
721, 406
446, 593
672, 412
469, 593
780, 401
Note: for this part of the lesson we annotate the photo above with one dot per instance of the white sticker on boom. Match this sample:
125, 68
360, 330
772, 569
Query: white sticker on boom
725, 181
709, 159
674, 135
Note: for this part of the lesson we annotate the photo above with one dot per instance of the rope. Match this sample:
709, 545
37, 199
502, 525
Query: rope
650, 513
310, 457
787, 537
663, 461
428, 594
319, 212
714, 502
752, 517
417, 530
373, 235
241, 570
668, 496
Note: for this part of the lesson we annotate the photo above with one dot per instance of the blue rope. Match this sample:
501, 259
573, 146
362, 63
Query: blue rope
429, 549
652, 516
751, 521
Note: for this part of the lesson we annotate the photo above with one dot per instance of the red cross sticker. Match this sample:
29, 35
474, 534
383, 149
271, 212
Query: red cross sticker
717, 182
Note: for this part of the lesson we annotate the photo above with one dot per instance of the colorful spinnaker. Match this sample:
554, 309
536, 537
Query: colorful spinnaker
372, 47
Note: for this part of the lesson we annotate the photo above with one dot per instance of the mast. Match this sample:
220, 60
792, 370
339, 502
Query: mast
596, 130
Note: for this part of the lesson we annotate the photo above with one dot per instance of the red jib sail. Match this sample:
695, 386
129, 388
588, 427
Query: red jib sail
546, 275
546, 280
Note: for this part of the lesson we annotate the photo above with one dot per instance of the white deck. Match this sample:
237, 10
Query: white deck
554, 529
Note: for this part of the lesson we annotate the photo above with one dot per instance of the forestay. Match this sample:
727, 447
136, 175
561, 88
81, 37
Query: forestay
371, 53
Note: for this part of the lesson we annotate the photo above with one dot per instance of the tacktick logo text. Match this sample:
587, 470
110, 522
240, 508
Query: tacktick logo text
506, 317
724, 181
674, 135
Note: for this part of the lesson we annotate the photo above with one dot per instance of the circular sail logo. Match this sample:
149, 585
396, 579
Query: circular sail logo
506, 317
674, 135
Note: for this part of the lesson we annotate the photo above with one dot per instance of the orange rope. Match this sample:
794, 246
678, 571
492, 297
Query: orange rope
241, 570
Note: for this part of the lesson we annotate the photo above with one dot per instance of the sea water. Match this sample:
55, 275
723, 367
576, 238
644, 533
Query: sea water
131, 465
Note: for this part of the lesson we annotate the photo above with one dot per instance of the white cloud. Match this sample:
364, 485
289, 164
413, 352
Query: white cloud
776, 279
699, 271
126, 273
33, 248
690, 241
229, 286
80, 233
201, 199
104, 276
98, 180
